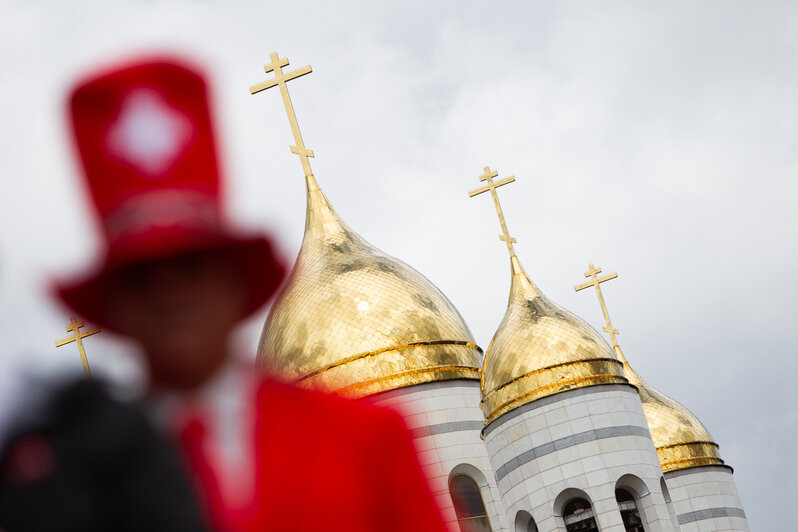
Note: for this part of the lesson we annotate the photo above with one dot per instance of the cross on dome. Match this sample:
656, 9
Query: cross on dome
280, 80
149, 133
78, 336
593, 272
492, 186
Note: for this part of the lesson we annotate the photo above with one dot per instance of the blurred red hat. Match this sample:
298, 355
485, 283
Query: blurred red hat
145, 139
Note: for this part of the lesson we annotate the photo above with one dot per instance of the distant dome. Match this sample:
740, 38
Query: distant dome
541, 349
355, 320
680, 438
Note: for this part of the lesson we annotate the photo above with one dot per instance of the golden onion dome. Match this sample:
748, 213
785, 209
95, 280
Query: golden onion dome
680, 438
357, 321
541, 349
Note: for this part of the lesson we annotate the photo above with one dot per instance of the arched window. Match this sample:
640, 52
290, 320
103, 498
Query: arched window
468, 505
578, 515
524, 522
629, 513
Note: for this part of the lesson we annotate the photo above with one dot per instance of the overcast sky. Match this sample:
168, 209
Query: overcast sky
655, 139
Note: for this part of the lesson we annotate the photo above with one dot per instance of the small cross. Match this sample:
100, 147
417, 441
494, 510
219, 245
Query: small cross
492, 186
280, 80
78, 337
593, 272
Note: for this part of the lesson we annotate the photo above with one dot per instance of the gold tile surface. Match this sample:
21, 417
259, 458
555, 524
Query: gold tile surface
354, 320
541, 349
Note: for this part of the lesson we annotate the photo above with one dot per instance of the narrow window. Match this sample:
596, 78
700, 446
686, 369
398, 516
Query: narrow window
667, 496
629, 513
664, 487
578, 515
468, 505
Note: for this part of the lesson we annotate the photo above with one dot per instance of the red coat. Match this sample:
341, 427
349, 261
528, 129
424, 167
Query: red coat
316, 462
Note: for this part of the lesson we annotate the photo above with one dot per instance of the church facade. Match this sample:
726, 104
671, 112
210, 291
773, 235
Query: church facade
550, 429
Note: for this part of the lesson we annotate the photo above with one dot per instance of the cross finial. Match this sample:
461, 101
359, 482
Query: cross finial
596, 281
492, 186
280, 79
78, 337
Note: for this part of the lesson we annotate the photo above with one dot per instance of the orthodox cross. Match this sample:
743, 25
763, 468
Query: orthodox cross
492, 186
596, 281
78, 337
280, 79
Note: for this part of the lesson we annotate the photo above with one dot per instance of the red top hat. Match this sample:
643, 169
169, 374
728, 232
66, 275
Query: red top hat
144, 136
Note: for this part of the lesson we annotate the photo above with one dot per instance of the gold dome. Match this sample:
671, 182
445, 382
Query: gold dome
680, 438
541, 349
357, 321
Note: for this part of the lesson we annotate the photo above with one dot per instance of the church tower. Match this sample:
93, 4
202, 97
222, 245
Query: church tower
698, 487
565, 430
356, 321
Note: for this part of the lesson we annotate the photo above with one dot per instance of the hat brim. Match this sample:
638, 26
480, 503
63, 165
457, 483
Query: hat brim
253, 257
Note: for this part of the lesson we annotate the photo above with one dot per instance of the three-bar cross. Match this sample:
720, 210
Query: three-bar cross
596, 281
492, 186
280, 80
78, 337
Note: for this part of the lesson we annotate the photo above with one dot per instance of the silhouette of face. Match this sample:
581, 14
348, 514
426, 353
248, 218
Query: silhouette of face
181, 312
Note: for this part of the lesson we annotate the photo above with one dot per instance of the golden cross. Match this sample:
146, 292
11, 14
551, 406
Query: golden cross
78, 337
593, 272
280, 80
492, 186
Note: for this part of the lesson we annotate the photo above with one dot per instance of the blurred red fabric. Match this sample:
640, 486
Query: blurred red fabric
321, 463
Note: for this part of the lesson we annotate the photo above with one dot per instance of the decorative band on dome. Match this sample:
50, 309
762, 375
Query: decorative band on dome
550, 381
687, 455
386, 349
409, 378
395, 367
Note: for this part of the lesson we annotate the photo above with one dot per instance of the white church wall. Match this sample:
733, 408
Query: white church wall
706, 499
585, 439
446, 423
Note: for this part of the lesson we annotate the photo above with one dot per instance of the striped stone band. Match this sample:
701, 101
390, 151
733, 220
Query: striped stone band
570, 441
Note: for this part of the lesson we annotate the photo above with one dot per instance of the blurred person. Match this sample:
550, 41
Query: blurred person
176, 278
74, 458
